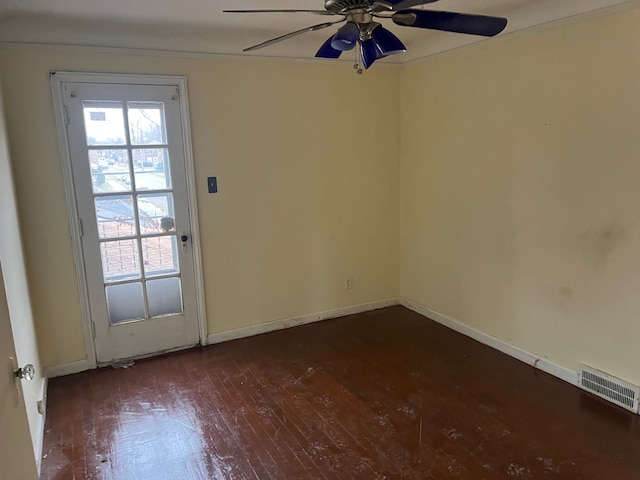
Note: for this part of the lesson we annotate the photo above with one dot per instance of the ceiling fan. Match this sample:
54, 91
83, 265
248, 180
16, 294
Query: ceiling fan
374, 40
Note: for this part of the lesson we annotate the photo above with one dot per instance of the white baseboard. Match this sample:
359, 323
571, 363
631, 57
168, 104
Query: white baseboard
529, 358
82, 365
66, 369
296, 321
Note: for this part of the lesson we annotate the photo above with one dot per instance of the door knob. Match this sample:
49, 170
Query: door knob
184, 239
26, 373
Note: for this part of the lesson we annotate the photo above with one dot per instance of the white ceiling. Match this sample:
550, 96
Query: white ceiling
200, 26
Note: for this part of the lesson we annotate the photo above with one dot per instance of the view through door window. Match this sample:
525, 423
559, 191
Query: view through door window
133, 200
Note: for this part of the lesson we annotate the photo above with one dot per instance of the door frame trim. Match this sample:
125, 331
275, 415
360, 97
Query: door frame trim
58, 78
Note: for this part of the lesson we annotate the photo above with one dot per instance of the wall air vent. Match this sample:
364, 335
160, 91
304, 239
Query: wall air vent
610, 388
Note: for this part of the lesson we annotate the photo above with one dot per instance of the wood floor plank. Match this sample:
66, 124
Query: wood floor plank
381, 395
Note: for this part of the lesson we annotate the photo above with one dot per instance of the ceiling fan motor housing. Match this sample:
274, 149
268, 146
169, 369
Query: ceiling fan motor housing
337, 6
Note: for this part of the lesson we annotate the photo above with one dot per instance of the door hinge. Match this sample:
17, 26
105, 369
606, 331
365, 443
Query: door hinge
80, 227
176, 96
65, 113
93, 329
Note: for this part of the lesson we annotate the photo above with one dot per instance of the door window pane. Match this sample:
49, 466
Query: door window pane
146, 123
120, 260
152, 208
164, 296
104, 123
115, 217
160, 255
151, 168
110, 170
125, 302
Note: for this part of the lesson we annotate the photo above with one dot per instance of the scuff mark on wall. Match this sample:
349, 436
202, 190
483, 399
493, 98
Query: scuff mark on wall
597, 244
566, 292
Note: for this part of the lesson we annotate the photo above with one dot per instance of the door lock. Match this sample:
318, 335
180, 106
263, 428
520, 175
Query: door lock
184, 238
25, 373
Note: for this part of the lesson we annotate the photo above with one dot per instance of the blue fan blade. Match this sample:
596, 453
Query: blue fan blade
451, 22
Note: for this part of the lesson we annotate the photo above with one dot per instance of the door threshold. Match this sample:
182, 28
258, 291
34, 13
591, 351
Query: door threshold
130, 361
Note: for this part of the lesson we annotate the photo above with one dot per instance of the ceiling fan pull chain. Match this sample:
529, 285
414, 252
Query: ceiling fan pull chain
356, 64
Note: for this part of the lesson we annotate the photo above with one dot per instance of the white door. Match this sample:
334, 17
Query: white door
16, 450
127, 154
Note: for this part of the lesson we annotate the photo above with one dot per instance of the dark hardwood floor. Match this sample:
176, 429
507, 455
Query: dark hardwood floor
381, 395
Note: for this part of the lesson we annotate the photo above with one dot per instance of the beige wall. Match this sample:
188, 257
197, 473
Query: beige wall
15, 308
307, 172
519, 190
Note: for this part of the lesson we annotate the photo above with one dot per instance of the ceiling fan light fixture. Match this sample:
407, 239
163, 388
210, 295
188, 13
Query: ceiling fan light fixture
327, 51
387, 42
369, 52
346, 38
359, 27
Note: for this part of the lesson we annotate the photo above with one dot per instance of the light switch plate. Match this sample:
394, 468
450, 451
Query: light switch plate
212, 182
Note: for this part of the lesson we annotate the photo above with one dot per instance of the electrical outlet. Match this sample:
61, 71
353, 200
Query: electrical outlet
348, 283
